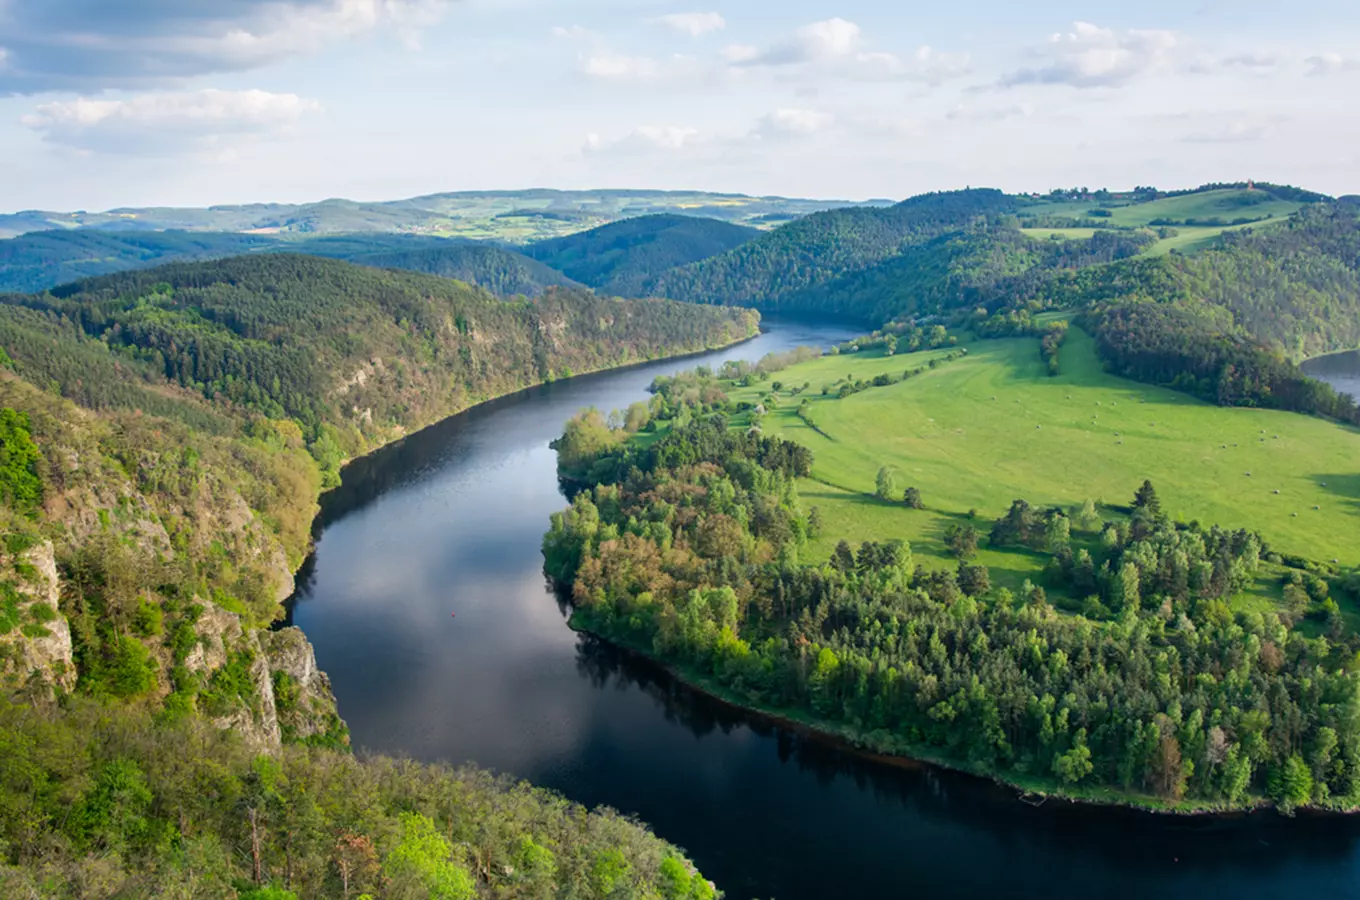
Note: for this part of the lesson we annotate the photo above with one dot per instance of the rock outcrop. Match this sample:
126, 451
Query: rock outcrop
35, 638
306, 704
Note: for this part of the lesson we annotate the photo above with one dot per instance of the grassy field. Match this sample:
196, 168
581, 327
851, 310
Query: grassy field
1227, 205
981, 431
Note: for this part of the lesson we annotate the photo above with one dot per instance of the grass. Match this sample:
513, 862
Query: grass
992, 427
1066, 234
1192, 240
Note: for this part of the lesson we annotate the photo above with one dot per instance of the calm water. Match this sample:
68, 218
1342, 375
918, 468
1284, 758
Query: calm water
450, 522
1340, 370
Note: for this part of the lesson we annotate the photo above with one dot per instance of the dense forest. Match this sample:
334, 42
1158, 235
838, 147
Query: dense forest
101, 801
45, 259
820, 248
501, 271
690, 548
624, 257
164, 439
355, 355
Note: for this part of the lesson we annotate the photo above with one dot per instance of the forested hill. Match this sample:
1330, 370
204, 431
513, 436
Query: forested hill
355, 355
1294, 287
164, 438
623, 257
45, 259
813, 251
497, 269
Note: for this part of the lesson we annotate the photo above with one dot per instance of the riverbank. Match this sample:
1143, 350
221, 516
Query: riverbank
1034, 791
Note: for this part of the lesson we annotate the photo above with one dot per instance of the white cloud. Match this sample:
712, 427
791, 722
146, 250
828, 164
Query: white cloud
165, 123
1331, 64
92, 45
793, 123
964, 113
574, 33
820, 41
619, 67
642, 140
1090, 56
694, 24
629, 68
837, 47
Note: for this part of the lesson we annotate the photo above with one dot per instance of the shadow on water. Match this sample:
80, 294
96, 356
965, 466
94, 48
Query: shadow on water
450, 520
1249, 846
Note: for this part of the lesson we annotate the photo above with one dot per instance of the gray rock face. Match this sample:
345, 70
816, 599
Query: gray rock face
40, 660
306, 704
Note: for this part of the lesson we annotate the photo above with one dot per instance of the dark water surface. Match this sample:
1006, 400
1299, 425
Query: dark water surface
450, 521
1340, 370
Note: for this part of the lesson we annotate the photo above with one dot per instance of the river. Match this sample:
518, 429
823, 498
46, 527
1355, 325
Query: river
427, 605
1340, 370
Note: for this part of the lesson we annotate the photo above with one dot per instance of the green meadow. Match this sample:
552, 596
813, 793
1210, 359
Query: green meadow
1227, 205
991, 427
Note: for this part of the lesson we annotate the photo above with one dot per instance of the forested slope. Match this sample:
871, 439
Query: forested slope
624, 257
355, 355
164, 437
42, 260
502, 272
779, 270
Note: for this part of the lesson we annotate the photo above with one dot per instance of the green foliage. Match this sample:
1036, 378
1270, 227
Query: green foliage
623, 257
123, 668
231, 687
420, 864
267, 893
10, 615
113, 815
885, 485
696, 558
1291, 785
327, 343
20, 482
178, 808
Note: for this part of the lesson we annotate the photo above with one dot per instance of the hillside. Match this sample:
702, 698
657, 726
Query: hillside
515, 216
1042, 574
783, 269
164, 439
46, 259
356, 355
623, 257
497, 269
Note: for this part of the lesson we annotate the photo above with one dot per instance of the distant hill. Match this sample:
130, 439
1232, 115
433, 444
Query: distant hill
45, 259
512, 216
328, 343
496, 269
790, 262
623, 257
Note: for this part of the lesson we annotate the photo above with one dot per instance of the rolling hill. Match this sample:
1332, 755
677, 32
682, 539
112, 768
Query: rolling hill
45, 259
515, 216
791, 261
623, 257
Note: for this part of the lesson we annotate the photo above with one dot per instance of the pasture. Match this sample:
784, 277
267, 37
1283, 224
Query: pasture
991, 427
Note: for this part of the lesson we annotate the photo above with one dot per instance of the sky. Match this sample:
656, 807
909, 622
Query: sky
199, 102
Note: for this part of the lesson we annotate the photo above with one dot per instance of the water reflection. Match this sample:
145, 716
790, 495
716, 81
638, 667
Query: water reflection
1340, 370
427, 605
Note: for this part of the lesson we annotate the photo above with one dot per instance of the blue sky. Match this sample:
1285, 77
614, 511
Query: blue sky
193, 102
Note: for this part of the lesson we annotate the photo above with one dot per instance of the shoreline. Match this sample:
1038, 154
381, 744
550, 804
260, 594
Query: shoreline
510, 395
846, 741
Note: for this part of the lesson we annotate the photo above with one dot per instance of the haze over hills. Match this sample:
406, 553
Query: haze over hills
516, 216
